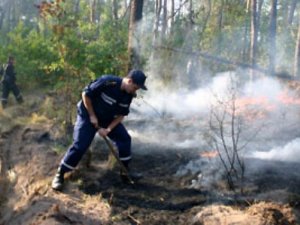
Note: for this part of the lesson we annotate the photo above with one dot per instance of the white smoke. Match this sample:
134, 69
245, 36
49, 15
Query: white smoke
182, 103
264, 87
290, 152
181, 116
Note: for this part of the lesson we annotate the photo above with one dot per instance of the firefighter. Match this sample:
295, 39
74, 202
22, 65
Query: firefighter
104, 104
9, 83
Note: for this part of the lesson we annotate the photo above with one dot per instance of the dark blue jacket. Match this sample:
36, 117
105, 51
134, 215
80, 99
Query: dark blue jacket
108, 100
9, 75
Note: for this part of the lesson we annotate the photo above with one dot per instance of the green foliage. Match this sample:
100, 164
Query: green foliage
32, 53
108, 53
63, 49
67, 45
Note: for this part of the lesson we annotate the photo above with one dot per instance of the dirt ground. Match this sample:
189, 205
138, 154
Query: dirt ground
94, 193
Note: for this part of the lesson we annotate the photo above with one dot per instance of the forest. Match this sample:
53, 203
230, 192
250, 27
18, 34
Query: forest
59, 40
215, 135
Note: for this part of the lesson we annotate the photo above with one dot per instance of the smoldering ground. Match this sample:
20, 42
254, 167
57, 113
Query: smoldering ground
179, 119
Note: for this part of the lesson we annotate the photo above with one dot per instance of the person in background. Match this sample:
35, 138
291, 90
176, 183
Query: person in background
9, 82
104, 104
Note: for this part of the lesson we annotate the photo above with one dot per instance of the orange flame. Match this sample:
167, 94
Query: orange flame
246, 105
286, 99
209, 154
243, 103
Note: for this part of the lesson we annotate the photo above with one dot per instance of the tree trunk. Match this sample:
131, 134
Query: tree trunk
254, 32
207, 17
9, 16
158, 7
260, 3
220, 25
93, 11
172, 15
13, 14
77, 8
165, 19
297, 56
284, 11
125, 4
136, 14
190, 15
2, 14
292, 11
245, 54
115, 10
272, 37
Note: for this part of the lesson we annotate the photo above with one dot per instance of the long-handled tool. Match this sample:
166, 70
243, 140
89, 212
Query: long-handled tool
115, 154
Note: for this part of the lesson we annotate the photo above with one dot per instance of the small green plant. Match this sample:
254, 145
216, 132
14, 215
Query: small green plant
58, 148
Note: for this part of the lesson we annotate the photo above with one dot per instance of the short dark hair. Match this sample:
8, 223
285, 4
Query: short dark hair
10, 58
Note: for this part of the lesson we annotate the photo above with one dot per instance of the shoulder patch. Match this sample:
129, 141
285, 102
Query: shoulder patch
110, 83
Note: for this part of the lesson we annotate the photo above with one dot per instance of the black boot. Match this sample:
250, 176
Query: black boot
128, 176
58, 180
20, 99
4, 104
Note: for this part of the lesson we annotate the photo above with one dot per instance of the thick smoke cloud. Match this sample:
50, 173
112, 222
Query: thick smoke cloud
289, 152
181, 116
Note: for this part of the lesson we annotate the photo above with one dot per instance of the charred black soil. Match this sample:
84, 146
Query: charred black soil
158, 198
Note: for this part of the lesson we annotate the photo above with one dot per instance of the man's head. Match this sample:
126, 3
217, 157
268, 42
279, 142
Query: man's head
134, 81
11, 59
138, 78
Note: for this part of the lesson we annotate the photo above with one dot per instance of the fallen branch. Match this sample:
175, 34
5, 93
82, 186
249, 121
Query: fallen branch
214, 58
133, 219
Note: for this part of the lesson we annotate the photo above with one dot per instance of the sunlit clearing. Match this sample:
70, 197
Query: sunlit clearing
36, 119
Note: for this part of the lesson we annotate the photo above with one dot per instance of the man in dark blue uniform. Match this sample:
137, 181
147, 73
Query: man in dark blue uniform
9, 83
105, 102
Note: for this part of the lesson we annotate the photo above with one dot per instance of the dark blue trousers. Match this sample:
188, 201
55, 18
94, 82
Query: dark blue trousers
7, 87
83, 136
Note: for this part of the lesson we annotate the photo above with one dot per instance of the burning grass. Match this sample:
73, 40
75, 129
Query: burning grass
209, 154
